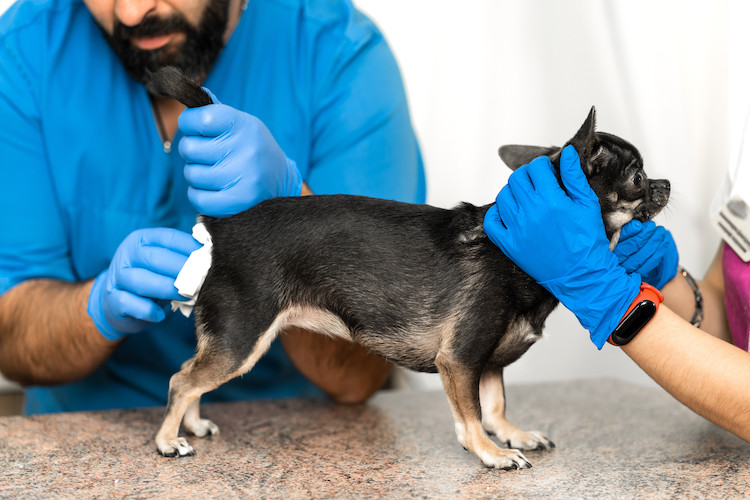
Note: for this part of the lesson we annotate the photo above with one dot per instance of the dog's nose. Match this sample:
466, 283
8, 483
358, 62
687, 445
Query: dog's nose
659, 191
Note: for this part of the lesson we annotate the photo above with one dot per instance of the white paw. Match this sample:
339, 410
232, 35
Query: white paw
504, 459
533, 440
201, 428
175, 448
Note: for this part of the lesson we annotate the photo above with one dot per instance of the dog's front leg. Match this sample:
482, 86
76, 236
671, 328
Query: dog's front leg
492, 398
461, 386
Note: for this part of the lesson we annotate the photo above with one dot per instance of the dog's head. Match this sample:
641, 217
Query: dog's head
614, 169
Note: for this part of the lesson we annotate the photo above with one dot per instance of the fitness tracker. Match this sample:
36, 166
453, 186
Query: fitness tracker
640, 312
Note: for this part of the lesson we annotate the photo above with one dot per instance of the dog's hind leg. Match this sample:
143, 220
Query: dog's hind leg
195, 425
211, 367
192, 421
461, 385
198, 376
492, 398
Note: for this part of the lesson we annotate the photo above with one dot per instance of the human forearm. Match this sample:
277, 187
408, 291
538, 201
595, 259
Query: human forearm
701, 371
680, 298
46, 336
345, 371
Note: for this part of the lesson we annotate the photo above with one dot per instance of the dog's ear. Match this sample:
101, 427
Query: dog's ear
583, 141
515, 155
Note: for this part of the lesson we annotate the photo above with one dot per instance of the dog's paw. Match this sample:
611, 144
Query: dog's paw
200, 428
175, 448
529, 441
513, 437
504, 459
532, 440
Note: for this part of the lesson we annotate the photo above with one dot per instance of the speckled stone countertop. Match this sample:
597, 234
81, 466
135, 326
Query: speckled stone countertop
614, 440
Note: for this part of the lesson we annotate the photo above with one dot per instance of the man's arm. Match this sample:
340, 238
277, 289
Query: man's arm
345, 371
705, 374
46, 337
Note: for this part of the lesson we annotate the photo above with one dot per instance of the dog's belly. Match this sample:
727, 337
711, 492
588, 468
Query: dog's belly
418, 353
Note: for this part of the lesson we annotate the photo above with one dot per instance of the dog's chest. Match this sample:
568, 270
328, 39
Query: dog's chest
520, 335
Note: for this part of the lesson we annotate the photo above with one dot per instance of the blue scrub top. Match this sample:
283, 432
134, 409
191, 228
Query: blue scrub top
82, 165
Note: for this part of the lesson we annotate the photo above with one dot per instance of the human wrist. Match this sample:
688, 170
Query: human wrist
697, 316
640, 312
293, 184
96, 312
599, 298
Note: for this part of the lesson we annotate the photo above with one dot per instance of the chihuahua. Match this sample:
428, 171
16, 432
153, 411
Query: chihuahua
421, 286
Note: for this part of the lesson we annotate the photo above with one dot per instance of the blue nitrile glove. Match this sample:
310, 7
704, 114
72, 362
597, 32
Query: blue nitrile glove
125, 297
232, 161
649, 250
558, 239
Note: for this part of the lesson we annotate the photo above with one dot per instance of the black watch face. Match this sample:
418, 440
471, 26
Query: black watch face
634, 322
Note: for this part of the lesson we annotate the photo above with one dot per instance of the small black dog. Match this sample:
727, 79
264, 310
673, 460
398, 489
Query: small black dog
421, 286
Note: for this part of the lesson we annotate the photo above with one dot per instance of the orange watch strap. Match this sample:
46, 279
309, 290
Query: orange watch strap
649, 293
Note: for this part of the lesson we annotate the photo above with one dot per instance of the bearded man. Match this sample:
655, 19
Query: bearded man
98, 204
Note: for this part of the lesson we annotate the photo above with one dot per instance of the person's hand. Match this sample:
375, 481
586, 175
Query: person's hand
126, 296
558, 239
649, 250
232, 161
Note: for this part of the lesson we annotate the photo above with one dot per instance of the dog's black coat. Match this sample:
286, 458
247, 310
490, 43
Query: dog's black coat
385, 268
421, 286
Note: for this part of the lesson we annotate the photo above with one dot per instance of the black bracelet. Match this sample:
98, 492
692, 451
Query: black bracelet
698, 314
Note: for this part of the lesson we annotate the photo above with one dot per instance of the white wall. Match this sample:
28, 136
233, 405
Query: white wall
482, 73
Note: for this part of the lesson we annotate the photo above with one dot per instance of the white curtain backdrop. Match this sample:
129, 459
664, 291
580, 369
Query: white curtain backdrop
668, 75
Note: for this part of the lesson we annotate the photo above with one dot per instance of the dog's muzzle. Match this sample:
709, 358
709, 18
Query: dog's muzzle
656, 198
659, 192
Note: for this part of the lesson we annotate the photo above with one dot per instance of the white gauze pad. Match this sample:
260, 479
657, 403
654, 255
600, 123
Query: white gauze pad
193, 273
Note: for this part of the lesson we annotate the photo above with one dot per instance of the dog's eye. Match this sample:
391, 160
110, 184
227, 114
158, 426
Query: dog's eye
637, 180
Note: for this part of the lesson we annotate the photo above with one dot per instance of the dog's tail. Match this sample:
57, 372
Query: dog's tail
171, 82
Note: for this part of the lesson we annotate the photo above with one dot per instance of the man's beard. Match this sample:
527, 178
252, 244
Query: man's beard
194, 56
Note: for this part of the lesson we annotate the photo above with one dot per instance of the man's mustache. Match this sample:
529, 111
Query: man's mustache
151, 27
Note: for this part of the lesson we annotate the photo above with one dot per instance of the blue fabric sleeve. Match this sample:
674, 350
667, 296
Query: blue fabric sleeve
33, 241
364, 142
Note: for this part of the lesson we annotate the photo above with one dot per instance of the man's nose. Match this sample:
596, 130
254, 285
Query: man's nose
132, 12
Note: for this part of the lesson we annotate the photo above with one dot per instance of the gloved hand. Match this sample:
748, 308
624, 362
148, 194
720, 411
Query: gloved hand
232, 161
125, 297
559, 240
649, 250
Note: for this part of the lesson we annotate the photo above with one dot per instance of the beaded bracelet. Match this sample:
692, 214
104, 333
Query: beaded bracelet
698, 314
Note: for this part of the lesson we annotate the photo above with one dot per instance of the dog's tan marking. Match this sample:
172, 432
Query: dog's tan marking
622, 214
461, 388
192, 422
425, 341
205, 372
521, 330
517, 339
317, 320
492, 399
